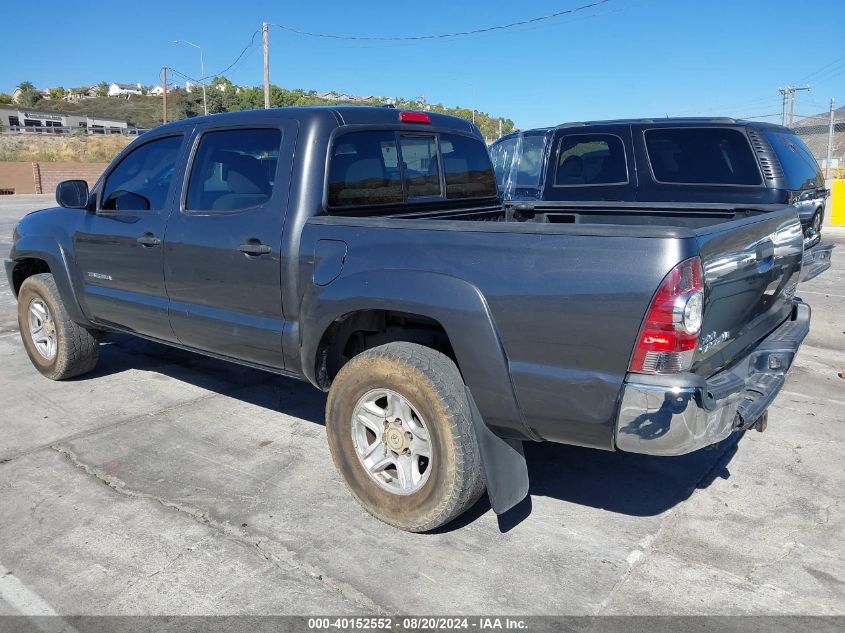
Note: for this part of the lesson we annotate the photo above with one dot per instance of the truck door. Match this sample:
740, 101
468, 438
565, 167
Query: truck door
118, 248
223, 244
591, 164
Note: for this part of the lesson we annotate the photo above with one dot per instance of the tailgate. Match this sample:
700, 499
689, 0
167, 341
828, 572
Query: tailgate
751, 270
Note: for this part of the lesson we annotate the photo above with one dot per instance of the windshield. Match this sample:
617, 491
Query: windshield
519, 163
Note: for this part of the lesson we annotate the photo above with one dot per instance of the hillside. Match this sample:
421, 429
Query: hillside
146, 111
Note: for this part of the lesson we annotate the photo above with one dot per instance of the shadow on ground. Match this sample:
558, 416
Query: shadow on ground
636, 485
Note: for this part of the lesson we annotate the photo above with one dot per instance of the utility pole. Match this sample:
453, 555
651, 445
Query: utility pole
265, 28
830, 140
789, 96
784, 92
500, 128
164, 109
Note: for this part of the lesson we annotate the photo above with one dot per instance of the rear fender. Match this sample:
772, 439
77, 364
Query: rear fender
457, 305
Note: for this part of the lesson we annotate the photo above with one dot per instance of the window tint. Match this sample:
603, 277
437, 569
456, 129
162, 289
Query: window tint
466, 165
422, 171
364, 170
233, 170
142, 179
799, 165
713, 156
591, 159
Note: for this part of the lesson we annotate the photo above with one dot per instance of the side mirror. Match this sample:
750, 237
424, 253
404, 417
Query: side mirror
72, 194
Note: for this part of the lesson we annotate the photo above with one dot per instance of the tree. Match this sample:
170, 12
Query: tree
56, 94
28, 95
103, 89
5, 97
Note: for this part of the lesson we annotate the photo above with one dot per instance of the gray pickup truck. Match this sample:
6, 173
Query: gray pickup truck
366, 250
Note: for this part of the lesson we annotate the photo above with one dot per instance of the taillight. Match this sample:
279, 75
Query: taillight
670, 330
414, 117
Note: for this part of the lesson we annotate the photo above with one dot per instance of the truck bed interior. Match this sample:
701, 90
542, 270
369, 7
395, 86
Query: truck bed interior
691, 216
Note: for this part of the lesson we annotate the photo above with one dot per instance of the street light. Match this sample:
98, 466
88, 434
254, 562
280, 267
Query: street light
202, 71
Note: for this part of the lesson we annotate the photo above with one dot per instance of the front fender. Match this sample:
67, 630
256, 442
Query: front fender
457, 305
57, 257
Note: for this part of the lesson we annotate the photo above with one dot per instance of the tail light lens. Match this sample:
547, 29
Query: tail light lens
669, 334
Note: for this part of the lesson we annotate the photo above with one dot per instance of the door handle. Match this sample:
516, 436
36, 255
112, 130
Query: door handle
254, 247
148, 240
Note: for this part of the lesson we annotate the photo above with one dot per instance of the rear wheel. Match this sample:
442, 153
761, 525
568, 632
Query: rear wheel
58, 347
400, 433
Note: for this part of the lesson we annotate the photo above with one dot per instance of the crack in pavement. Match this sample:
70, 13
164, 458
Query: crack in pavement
639, 555
283, 558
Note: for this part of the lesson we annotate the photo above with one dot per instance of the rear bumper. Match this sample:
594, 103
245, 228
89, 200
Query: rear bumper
816, 260
679, 416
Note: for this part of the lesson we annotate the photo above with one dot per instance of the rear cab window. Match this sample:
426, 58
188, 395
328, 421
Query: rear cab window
701, 156
386, 168
585, 160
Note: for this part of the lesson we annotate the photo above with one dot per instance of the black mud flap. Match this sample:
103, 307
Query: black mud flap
816, 261
503, 464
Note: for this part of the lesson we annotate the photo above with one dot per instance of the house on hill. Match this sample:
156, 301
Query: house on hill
124, 90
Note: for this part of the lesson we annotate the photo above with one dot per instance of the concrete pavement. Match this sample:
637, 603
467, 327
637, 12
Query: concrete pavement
170, 483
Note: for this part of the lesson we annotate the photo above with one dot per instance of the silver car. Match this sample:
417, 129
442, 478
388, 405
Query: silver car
810, 205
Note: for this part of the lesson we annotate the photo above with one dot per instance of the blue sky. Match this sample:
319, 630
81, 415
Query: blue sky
624, 58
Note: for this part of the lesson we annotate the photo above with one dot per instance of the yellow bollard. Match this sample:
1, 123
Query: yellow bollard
837, 203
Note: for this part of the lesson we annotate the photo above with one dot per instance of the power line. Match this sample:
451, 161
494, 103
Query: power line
440, 36
823, 68
238, 58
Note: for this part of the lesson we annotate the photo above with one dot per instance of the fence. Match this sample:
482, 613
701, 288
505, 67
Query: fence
826, 144
42, 177
50, 129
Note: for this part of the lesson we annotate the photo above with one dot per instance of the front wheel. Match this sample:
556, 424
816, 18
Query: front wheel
401, 436
58, 347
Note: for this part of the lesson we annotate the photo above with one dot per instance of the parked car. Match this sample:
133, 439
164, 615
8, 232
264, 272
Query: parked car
663, 160
811, 206
366, 250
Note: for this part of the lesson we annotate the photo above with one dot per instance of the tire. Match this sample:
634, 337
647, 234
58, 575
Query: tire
432, 385
75, 350
816, 222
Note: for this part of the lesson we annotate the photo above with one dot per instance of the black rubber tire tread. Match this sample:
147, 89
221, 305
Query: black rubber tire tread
433, 384
818, 214
78, 348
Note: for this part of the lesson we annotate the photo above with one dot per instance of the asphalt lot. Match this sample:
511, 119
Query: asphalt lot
169, 483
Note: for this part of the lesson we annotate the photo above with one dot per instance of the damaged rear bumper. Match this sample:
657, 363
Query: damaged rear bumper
680, 416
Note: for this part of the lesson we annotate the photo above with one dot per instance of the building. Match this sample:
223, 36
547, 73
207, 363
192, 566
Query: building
15, 118
124, 90
156, 91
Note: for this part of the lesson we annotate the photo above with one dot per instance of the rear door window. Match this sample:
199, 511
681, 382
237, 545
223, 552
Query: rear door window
799, 165
703, 156
233, 170
591, 159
